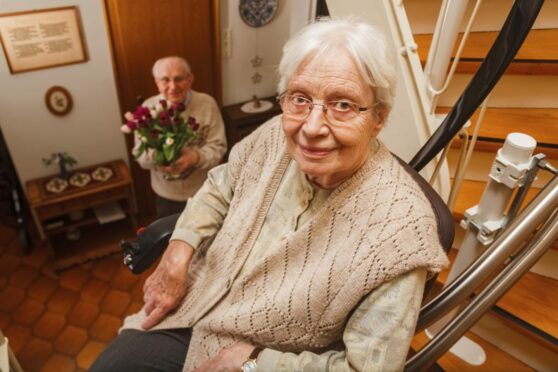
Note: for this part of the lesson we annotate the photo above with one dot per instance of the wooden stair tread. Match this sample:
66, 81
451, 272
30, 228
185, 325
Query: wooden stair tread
540, 45
532, 299
497, 360
537, 55
539, 123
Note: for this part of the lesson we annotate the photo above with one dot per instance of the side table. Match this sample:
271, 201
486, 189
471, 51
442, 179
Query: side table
239, 124
59, 206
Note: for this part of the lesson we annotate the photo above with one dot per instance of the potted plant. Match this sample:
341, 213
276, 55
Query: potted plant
64, 160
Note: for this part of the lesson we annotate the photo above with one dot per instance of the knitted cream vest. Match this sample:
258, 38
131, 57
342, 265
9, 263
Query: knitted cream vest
375, 226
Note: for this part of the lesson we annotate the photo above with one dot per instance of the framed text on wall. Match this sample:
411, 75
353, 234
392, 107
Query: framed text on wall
39, 39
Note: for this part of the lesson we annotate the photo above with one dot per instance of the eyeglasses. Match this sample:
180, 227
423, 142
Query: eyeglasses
177, 79
299, 107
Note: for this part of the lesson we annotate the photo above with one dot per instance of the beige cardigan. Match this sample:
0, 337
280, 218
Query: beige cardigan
373, 227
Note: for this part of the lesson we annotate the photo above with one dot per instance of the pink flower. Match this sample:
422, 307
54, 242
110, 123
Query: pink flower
129, 116
125, 129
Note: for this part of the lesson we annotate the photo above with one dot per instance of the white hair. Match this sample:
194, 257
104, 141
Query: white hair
161, 61
366, 44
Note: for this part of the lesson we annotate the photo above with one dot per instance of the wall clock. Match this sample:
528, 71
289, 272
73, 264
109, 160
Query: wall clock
257, 13
58, 100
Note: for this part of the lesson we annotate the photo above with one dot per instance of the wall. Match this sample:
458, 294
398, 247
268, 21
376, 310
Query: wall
90, 132
246, 42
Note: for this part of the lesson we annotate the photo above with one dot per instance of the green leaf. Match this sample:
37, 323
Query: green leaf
169, 152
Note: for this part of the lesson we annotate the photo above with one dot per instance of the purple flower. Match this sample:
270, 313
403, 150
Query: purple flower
193, 123
163, 103
176, 121
180, 107
131, 124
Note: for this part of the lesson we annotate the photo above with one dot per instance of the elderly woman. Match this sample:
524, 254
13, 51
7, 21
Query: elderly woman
308, 250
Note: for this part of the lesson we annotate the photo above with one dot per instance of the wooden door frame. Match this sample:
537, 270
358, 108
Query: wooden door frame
217, 82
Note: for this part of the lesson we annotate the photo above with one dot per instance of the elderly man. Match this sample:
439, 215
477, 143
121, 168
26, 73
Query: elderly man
174, 80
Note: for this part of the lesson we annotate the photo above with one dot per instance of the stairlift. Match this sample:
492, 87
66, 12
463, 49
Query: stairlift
516, 241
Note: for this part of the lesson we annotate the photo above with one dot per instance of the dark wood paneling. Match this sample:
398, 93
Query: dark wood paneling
142, 31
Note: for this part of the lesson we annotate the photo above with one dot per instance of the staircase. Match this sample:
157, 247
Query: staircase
525, 100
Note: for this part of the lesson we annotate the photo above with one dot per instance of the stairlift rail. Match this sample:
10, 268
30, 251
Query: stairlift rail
455, 293
518, 266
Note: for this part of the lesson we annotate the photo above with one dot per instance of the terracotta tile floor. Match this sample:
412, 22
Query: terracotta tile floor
62, 321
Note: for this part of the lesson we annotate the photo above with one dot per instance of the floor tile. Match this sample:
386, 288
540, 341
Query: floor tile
42, 288
124, 279
83, 314
5, 319
94, 290
137, 292
105, 268
37, 257
62, 301
71, 340
133, 308
8, 264
49, 325
35, 354
10, 298
115, 302
28, 311
59, 363
105, 327
23, 277
74, 278
18, 336
89, 353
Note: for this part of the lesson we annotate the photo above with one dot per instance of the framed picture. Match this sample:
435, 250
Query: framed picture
58, 101
39, 39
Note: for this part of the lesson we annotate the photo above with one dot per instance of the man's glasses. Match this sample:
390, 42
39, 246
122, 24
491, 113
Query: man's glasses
299, 107
177, 79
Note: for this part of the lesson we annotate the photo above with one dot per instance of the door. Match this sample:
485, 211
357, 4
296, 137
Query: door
143, 31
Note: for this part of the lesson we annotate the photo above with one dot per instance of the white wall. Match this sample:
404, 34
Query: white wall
266, 41
90, 132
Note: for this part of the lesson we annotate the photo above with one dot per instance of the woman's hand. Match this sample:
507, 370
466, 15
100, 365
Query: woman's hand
189, 158
229, 359
166, 287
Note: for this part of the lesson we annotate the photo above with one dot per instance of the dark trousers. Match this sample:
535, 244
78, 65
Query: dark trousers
138, 351
166, 207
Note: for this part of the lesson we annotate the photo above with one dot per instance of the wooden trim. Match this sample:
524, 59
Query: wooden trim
216, 44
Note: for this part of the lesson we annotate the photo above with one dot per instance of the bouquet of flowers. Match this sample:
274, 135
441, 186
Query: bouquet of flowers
162, 129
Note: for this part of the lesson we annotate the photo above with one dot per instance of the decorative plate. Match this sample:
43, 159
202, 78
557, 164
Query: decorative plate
102, 174
80, 179
56, 185
257, 13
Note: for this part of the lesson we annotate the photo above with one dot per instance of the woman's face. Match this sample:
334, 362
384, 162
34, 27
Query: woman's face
330, 152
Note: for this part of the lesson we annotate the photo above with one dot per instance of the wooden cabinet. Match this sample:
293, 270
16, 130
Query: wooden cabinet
60, 206
240, 124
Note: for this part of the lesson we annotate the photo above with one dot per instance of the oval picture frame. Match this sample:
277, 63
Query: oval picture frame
58, 100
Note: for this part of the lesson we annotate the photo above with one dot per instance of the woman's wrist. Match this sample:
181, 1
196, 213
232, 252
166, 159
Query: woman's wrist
179, 253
